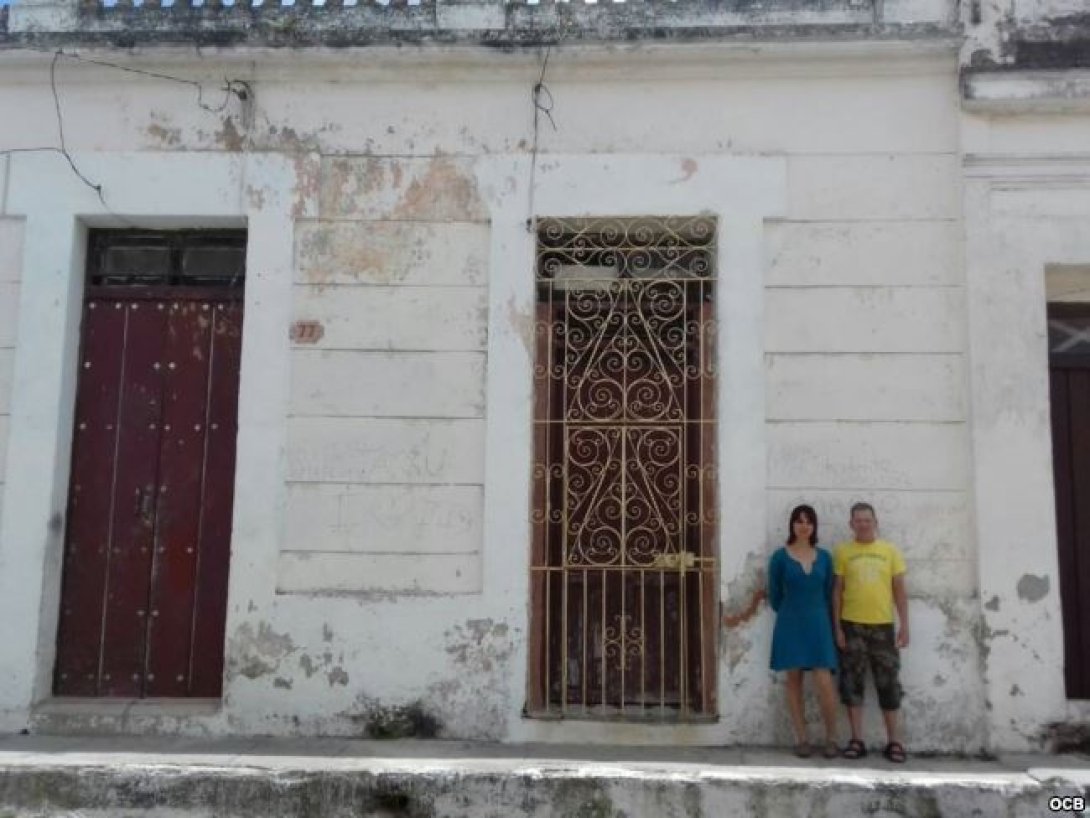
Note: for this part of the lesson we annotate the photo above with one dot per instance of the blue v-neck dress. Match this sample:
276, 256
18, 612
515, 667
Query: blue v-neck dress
803, 635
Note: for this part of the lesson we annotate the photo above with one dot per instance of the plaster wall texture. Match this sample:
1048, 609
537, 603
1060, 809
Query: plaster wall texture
1027, 198
381, 542
1035, 10
11, 261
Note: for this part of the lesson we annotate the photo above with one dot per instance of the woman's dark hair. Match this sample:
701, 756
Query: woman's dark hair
796, 513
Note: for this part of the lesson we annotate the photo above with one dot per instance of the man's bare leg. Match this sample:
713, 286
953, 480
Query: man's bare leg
893, 725
855, 721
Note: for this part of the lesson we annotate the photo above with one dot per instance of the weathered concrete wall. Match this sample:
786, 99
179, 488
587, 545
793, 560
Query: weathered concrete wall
379, 568
11, 262
479, 22
1027, 198
867, 400
1027, 34
386, 437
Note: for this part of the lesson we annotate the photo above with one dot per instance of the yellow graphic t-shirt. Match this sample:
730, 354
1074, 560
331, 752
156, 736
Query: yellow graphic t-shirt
868, 571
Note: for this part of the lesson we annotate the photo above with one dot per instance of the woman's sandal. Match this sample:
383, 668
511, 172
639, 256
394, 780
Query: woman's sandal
855, 749
895, 752
803, 749
832, 750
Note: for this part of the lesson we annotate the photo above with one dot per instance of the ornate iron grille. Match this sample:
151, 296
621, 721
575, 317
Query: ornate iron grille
624, 512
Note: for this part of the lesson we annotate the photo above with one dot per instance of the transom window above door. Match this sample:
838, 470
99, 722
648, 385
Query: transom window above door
175, 258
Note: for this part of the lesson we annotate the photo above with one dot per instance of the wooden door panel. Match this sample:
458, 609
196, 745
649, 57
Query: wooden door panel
178, 515
1070, 407
136, 477
217, 501
1061, 462
143, 599
90, 500
1069, 393
1079, 415
145, 582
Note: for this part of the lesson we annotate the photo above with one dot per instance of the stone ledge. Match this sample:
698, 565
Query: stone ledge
1014, 91
246, 778
45, 23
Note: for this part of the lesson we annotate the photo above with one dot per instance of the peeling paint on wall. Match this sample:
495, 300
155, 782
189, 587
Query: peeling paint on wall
523, 325
229, 137
476, 691
165, 136
1032, 588
740, 606
444, 187
745, 593
256, 653
309, 182
337, 676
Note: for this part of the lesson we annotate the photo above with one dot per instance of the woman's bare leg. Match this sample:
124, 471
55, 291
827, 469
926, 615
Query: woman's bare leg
794, 705
826, 693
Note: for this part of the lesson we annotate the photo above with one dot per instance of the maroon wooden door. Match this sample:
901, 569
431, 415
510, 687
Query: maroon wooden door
143, 601
1069, 337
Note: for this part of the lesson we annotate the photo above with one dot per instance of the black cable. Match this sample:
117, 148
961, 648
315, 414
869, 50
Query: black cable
542, 98
238, 88
60, 130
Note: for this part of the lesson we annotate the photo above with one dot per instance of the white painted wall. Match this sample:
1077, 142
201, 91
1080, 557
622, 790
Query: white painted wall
1027, 199
382, 528
11, 262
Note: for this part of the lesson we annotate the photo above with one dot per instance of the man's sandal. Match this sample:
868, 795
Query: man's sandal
803, 749
832, 750
855, 749
895, 752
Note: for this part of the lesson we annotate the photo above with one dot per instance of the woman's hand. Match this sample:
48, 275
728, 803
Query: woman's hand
841, 642
734, 620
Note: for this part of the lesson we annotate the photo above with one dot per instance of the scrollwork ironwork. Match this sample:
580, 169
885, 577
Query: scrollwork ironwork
624, 439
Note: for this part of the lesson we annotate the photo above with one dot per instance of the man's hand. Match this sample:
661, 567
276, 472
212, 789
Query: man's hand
841, 642
900, 599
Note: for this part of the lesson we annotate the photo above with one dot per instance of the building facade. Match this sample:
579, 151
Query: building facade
450, 369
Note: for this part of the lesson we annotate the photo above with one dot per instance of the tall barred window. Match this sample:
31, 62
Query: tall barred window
624, 502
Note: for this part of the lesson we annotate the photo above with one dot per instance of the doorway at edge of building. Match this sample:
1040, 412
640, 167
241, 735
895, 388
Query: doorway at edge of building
147, 543
1069, 385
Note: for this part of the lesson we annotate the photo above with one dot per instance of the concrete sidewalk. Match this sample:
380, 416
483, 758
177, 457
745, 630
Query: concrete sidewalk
123, 777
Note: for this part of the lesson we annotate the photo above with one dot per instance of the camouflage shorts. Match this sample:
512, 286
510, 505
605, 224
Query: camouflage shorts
871, 645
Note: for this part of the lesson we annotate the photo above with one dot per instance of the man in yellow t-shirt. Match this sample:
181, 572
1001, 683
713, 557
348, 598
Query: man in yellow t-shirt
870, 583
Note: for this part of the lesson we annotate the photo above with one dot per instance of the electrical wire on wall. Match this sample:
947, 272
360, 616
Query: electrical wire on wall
232, 88
542, 99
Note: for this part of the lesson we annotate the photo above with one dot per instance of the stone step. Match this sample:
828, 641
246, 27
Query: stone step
121, 777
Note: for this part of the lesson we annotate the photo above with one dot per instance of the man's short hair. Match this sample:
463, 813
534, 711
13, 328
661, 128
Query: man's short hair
857, 507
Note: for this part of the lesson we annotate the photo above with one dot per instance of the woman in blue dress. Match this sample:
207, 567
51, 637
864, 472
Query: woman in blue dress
800, 587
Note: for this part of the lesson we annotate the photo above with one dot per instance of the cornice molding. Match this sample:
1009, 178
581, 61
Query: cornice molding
1017, 92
